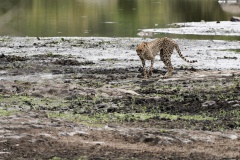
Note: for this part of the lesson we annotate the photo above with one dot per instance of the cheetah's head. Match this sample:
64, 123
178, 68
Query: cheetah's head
141, 49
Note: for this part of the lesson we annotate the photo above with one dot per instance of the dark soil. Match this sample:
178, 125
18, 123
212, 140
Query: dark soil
65, 106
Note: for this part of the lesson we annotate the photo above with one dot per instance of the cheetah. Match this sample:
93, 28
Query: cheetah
148, 51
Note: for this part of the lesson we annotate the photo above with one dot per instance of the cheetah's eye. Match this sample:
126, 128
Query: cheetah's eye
140, 50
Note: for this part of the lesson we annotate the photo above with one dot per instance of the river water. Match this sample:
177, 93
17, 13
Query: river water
104, 18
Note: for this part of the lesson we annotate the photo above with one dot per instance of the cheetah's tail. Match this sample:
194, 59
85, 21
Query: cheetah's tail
180, 54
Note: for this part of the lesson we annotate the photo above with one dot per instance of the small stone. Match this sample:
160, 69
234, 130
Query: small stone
111, 109
208, 103
236, 105
102, 105
231, 102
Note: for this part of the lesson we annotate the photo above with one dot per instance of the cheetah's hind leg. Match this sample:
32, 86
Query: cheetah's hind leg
169, 73
170, 68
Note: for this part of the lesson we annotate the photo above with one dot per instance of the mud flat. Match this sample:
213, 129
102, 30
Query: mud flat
84, 98
220, 28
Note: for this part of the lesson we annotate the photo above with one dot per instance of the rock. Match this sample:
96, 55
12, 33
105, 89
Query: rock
231, 102
208, 103
66, 62
150, 139
108, 108
102, 105
235, 19
78, 133
2, 88
116, 91
2, 55
236, 105
127, 91
111, 109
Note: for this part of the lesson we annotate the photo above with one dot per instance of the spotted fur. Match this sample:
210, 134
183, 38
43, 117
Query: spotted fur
148, 51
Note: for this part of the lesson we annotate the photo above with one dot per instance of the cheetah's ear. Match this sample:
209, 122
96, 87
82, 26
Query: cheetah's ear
144, 44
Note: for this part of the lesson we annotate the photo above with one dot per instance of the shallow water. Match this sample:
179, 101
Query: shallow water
103, 18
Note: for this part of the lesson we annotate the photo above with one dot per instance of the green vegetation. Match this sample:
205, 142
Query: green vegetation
5, 112
103, 118
23, 102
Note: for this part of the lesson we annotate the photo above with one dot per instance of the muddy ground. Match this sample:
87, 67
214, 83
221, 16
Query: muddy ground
84, 98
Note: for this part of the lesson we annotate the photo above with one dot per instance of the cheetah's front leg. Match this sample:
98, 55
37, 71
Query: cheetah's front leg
144, 68
151, 68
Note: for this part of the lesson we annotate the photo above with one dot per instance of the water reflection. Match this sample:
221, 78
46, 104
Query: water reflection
230, 6
113, 18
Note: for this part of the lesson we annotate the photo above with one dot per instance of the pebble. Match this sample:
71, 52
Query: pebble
236, 105
208, 103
